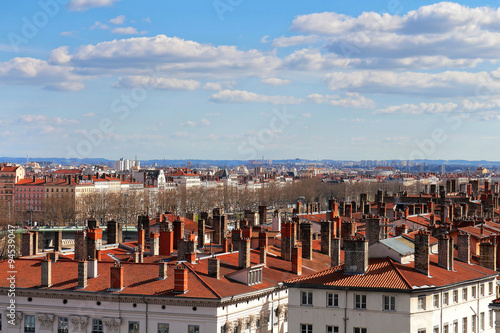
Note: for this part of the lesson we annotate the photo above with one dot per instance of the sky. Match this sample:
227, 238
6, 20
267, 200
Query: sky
241, 79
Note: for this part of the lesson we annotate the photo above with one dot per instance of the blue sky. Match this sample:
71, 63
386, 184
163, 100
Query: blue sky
239, 79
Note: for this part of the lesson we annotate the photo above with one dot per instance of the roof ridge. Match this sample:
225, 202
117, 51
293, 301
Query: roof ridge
203, 281
399, 273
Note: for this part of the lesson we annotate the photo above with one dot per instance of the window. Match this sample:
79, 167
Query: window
446, 328
29, 323
491, 318
97, 326
474, 292
473, 323
455, 326
306, 298
490, 288
421, 302
481, 320
481, 289
133, 327
455, 296
193, 329
435, 301
464, 294
464, 325
163, 328
306, 328
332, 300
359, 330
62, 325
332, 329
435, 329
445, 298
360, 301
389, 303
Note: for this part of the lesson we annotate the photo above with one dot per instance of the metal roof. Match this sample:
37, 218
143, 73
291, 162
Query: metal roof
398, 246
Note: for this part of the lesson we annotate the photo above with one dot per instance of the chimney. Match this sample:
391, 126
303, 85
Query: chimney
141, 236
286, 241
92, 224
58, 241
82, 274
244, 253
94, 242
178, 232
225, 245
307, 240
27, 244
262, 215
246, 232
81, 245
35, 243
154, 244
356, 255
263, 238
374, 228
214, 267
220, 227
445, 252
402, 229
488, 255
326, 235
201, 233
348, 210
297, 260
116, 277
191, 257
92, 268
114, 232
422, 252
46, 273
162, 270
182, 247
463, 240
236, 236
54, 256
335, 252
166, 242
263, 255
180, 279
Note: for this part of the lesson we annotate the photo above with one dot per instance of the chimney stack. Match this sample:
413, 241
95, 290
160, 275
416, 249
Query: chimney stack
244, 253
46, 273
27, 244
166, 242
356, 255
214, 267
263, 238
488, 255
81, 245
374, 228
422, 252
180, 279
114, 232
191, 257
58, 241
201, 233
82, 274
92, 268
297, 260
154, 244
162, 270
463, 240
141, 237
178, 232
94, 242
263, 255
326, 235
116, 277
445, 252
307, 240
335, 252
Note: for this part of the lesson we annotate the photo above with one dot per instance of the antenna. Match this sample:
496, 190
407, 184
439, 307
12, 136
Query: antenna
112, 256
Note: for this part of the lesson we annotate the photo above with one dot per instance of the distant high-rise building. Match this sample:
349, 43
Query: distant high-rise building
442, 168
124, 164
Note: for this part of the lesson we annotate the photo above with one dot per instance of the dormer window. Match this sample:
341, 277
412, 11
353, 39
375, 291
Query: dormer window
254, 276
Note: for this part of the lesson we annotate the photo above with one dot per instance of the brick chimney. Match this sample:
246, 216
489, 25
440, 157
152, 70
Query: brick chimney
141, 237
58, 241
348, 210
307, 239
92, 268
335, 252
246, 232
326, 235
154, 244
54, 256
214, 267
374, 229
166, 242
286, 241
201, 233
356, 255
263, 238
225, 245
262, 215
244, 253
463, 241
46, 269
422, 252
297, 260
82, 274
488, 255
445, 252
180, 279
220, 227
114, 232
402, 229
94, 242
178, 232
191, 257
182, 249
162, 270
116, 277
263, 255
81, 245
26, 244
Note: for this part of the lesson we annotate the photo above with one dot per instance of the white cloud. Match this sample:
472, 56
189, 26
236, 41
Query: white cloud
120, 19
188, 123
82, 5
276, 81
99, 25
219, 85
125, 31
314, 60
350, 100
433, 108
162, 83
241, 96
205, 122
294, 40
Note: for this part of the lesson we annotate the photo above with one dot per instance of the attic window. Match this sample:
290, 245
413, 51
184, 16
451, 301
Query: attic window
254, 276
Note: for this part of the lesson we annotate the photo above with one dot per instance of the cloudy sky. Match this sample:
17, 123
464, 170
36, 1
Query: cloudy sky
240, 79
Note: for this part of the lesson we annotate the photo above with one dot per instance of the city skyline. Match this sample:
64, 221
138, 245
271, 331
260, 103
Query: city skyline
241, 80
